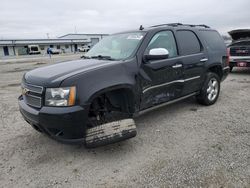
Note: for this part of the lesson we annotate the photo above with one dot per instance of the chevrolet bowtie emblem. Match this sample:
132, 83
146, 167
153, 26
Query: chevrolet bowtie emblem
25, 91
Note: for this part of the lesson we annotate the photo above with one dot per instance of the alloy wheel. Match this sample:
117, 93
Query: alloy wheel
212, 90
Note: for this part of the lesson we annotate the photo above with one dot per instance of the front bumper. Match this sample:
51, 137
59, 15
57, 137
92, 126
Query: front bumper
64, 124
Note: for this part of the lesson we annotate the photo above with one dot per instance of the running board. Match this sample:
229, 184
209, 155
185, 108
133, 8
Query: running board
109, 133
164, 104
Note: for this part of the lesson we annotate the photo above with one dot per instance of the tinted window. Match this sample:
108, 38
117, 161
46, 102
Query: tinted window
163, 39
189, 43
213, 40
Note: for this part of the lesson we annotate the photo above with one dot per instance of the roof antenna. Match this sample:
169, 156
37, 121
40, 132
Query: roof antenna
141, 27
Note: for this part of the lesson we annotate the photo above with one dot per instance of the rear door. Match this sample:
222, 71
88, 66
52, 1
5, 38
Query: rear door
161, 79
193, 57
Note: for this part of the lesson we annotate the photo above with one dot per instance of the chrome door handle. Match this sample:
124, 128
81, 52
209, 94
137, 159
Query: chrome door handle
204, 60
177, 66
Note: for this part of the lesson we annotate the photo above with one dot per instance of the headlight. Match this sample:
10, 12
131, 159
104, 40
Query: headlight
60, 96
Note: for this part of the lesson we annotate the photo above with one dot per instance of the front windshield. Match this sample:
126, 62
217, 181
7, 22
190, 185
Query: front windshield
118, 46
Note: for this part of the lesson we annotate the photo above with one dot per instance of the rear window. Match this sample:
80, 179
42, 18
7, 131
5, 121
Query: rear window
188, 42
213, 40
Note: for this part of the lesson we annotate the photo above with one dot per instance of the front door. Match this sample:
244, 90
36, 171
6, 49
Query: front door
162, 80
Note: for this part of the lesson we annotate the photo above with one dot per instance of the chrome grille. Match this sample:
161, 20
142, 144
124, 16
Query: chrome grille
32, 95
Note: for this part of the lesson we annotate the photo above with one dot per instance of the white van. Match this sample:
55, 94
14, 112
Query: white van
33, 49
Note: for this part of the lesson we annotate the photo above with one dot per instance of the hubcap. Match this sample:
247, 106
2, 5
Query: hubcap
212, 90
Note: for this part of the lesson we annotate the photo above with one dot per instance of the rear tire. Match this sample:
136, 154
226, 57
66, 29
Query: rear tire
210, 90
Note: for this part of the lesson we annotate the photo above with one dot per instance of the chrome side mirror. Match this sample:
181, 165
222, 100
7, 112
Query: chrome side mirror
157, 54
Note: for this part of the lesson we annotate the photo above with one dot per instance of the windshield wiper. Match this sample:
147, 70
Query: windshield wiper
102, 57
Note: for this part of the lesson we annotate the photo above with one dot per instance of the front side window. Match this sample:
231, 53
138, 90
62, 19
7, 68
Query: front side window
189, 43
118, 46
163, 39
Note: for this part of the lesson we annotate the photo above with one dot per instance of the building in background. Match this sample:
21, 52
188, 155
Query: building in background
69, 43
94, 38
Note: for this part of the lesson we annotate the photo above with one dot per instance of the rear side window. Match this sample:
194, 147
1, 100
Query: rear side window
188, 42
213, 40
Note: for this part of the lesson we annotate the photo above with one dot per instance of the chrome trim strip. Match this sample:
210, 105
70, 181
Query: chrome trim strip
225, 68
193, 78
164, 104
168, 83
25, 85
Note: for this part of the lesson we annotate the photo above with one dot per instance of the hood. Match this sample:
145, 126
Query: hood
53, 75
240, 34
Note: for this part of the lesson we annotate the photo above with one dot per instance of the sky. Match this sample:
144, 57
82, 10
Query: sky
54, 18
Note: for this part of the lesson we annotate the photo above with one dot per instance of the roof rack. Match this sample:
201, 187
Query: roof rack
180, 24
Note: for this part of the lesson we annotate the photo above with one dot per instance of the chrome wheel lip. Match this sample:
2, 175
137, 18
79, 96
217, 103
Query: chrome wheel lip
212, 89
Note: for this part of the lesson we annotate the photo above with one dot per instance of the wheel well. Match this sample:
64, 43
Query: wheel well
217, 70
121, 98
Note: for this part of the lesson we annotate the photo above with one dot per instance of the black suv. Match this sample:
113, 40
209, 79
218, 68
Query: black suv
124, 75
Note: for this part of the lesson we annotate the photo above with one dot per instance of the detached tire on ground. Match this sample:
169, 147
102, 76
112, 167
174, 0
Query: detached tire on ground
110, 133
210, 90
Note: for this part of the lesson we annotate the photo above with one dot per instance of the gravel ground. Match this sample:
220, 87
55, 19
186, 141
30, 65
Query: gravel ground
184, 144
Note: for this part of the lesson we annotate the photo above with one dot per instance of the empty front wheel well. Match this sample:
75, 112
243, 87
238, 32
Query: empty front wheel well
110, 106
121, 98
